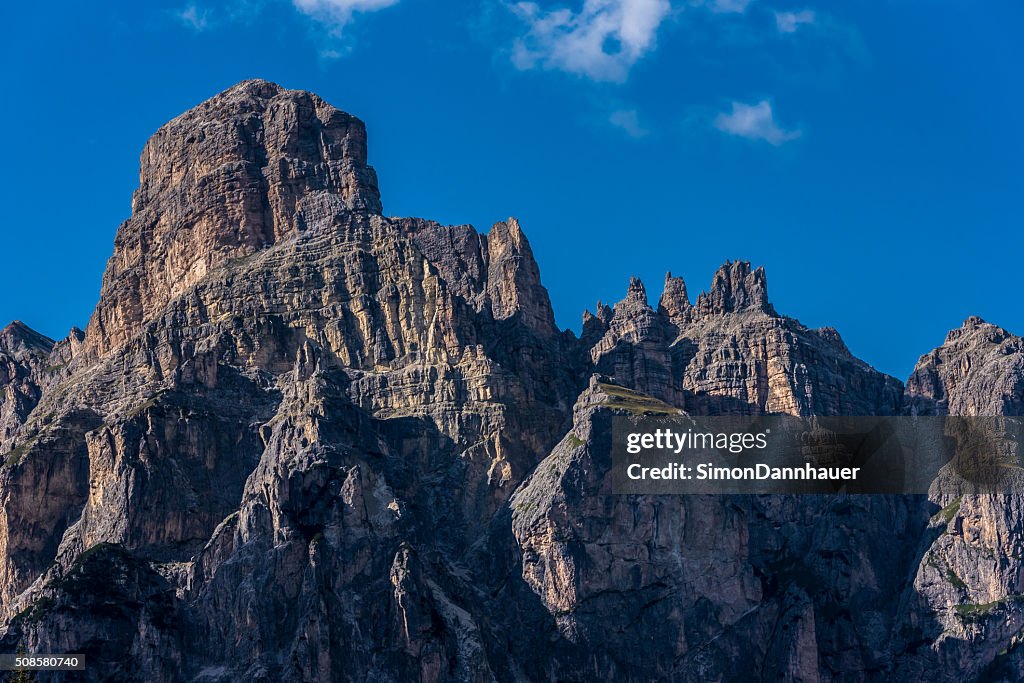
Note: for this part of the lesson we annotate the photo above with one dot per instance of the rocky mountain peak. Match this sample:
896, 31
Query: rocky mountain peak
250, 167
596, 324
495, 271
978, 370
629, 342
736, 288
260, 136
310, 442
832, 336
636, 290
973, 326
513, 279
633, 309
18, 339
674, 301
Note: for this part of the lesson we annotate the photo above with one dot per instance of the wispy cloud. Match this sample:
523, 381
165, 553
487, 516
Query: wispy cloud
205, 16
629, 121
723, 6
754, 122
193, 17
602, 41
790, 22
337, 13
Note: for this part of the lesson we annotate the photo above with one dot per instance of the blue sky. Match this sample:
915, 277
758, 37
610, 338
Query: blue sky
868, 154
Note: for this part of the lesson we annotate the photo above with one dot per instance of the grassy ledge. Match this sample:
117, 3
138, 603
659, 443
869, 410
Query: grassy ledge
634, 401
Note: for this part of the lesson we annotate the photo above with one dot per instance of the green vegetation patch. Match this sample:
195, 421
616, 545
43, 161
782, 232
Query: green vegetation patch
15, 455
943, 568
970, 611
955, 580
946, 514
38, 609
634, 401
99, 551
149, 404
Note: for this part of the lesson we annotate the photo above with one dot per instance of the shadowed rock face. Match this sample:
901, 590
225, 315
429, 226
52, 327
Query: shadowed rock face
302, 441
968, 585
23, 358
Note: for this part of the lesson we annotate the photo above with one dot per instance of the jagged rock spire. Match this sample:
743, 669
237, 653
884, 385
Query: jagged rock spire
513, 279
735, 288
674, 301
636, 290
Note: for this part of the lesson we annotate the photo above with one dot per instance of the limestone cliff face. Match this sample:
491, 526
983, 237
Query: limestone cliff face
727, 587
275, 367
249, 168
979, 370
696, 588
968, 586
23, 358
302, 441
495, 271
775, 587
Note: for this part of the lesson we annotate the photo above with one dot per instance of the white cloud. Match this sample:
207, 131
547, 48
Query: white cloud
601, 41
790, 22
339, 12
755, 122
194, 18
627, 120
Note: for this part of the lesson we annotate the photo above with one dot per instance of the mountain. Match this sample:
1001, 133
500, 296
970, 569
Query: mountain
303, 441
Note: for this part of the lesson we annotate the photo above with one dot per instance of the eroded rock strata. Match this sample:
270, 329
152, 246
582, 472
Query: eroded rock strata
302, 441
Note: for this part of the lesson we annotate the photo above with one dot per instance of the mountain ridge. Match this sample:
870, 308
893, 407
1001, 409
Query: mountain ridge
301, 440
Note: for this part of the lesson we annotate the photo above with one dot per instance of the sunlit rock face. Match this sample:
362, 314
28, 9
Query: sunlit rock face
303, 441
254, 166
